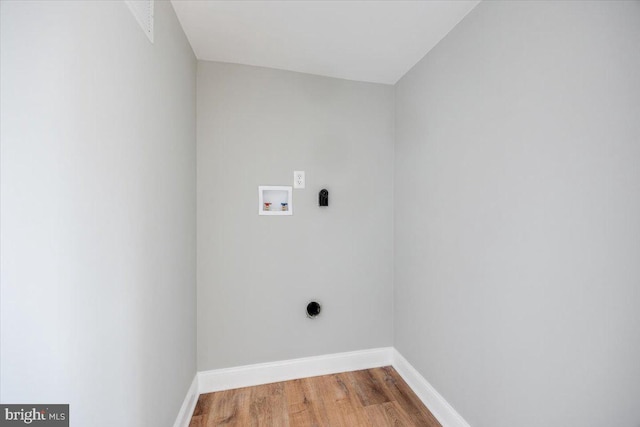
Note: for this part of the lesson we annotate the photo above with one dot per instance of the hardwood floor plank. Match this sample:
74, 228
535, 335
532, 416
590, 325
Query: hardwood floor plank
328, 413
300, 405
261, 410
203, 404
345, 407
279, 407
371, 397
405, 397
369, 389
230, 408
196, 421
388, 414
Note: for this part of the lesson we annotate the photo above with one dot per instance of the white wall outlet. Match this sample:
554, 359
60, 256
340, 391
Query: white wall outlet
298, 179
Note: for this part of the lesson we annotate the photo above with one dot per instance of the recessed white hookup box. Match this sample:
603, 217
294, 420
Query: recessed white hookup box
275, 200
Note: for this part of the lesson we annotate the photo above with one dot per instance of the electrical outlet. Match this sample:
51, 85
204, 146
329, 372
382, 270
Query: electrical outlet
298, 179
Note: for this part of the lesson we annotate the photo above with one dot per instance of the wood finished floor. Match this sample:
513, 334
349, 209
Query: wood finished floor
371, 397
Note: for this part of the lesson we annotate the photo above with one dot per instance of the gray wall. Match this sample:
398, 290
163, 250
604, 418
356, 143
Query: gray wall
98, 212
256, 273
517, 222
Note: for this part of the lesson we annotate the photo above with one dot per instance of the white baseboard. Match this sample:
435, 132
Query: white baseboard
186, 410
265, 373
439, 407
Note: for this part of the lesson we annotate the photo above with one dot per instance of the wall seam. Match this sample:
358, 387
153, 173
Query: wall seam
393, 220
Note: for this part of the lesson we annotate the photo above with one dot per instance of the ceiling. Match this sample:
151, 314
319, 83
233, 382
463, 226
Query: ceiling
372, 41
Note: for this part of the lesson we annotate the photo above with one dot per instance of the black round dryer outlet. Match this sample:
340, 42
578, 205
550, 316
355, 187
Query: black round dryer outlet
313, 309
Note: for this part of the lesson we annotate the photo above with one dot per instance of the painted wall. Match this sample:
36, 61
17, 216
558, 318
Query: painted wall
257, 273
98, 212
517, 232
